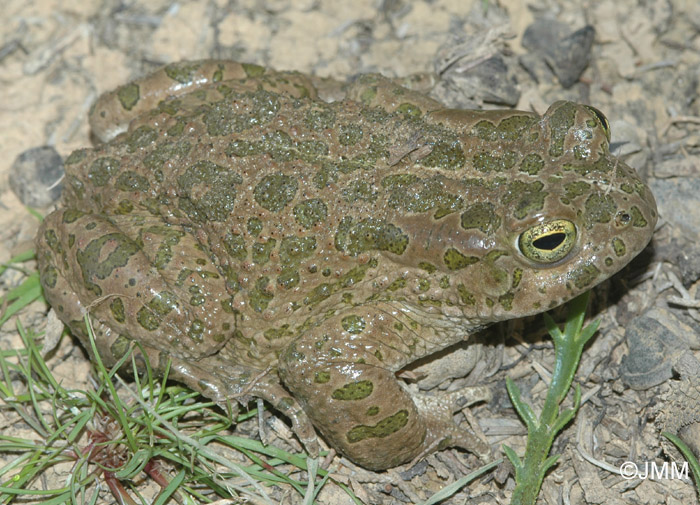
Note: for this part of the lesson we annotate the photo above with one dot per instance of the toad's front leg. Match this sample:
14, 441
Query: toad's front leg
342, 373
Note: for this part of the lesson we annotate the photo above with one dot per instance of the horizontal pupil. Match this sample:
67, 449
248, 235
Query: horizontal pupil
549, 242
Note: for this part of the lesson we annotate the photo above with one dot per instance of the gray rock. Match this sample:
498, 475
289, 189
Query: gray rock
34, 174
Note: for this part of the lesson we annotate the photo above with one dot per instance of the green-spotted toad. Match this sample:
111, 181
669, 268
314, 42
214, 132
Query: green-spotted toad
276, 245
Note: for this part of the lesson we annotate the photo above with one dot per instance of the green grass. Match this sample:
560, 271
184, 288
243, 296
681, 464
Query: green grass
688, 454
117, 434
541, 431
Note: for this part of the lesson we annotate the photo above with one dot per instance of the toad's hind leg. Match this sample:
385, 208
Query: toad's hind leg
342, 373
115, 279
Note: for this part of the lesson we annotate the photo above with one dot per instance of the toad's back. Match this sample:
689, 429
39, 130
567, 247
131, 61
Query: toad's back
246, 220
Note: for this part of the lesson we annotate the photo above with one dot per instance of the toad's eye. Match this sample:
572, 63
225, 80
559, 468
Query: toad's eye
602, 119
548, 242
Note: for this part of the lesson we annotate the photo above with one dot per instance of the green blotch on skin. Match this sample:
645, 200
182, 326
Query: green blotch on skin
499, 275
481, 216
353, 324
119, 347
455, 260
288, 278
320, 118
532, 164
490, 162
408, 193
638, 220
235, 246
627, 188
322, 377
517, 277
526, 197
408, 110
167, 238
349, 134
397, 284
143, 136
262, 251
311, 150
584, 275
347, 280
399, 181
319, 293
102, 170
128, 95
506, 301
367, 95
277, 333
92, 266
131, 181
448, 155
197, 299
423, 285
583, 168
280, 146
218, 185
619, 247
51, 239
369, 234
125, 207
259, 297
352, 391
196, 330
465, 295
218, 74
508, 129
608, 261
599, 208
576, 188
274, 192
151, 315
560, 122
177, 129
372, 411
428, 267
225, 117
293, 250
310, 212
49, 277
164, 152
582, 152
254, 226
359, 190
76, 157
182, 72
252, 70
384, 428
116, 307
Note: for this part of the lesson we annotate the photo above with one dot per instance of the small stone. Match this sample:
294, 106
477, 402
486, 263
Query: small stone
566, 55
34, 174
656, 341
